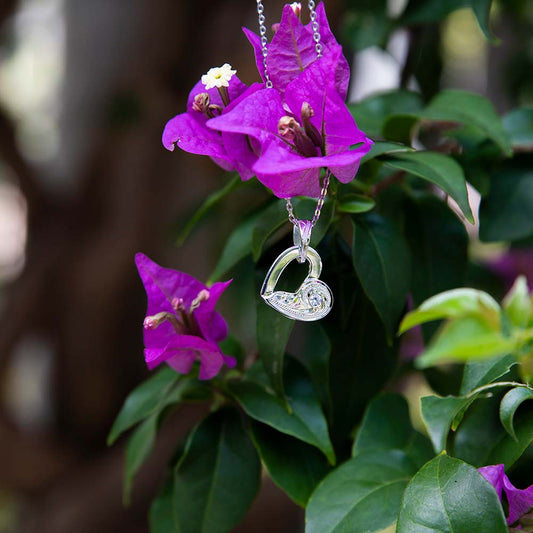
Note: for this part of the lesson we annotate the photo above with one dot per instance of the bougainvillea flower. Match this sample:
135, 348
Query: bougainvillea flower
189, 132
292, 50
296, 134
181, 324
520, 500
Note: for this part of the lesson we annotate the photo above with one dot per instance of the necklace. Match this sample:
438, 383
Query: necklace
313, 299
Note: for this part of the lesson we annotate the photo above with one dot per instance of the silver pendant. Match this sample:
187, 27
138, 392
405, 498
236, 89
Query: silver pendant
313, 300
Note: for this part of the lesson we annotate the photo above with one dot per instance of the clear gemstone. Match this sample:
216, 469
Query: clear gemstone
314, 299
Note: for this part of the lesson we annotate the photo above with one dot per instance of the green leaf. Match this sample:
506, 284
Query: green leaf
161, 515
237, 247
478, 373
273, 331
356, 203
387, 426
146, 399
517, 303
449, 496
305, 421
505, 213
439, 169
518, 124
218, 476
354, 376
471, 109
465, 339
383, 264
371, 113
400, 127
295, 467
365, 28
439, 414
436, 268
456, 303
271, 219
481, 439
510, 403
138, 450
424, 11
211, 201
381, 148
362, 495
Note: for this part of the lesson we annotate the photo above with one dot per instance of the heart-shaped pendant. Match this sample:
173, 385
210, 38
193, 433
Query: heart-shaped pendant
312, 301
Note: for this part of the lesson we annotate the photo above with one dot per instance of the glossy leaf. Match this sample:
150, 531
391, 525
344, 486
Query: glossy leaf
295, 467
362, 495
450, 496
210, 202
478, 373
161, 515
354, 330
237, 247
387, 426
273, 331
356, 203
439, 414
271, 219
143, 401
480, 438
455, 303
510, 403
138, 450
371, 113
383, 147
383, 264
400, 127
436, 268
505, 213
218, 476
465, 339
439, 169
517, 304
470, 109
303, 420
519, 126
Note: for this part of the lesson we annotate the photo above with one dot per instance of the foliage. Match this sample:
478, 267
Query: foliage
318, 415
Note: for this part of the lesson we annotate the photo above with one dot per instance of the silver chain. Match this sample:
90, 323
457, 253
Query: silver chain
264, 40
319, 204
318, 47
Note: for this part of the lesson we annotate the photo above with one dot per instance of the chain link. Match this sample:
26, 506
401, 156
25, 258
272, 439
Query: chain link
318, 47
314, 26
264, 40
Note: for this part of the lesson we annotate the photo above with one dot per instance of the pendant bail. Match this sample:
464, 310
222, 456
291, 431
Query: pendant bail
302, 237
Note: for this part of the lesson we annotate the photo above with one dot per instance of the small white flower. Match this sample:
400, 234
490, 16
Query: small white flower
297, 8
218, 76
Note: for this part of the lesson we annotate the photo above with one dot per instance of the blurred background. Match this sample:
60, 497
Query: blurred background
85, 91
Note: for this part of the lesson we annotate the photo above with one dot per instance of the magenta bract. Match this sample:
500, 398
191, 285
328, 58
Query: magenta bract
520, 500
181, 324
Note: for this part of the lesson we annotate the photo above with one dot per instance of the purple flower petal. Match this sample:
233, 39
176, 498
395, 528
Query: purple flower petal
258, 116
212, 325
520, 500
189, 335
292, 50
190, 133
181, 352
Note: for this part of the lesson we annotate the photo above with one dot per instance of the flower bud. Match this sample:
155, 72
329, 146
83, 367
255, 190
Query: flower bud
287, 127
202, 296
310, 129
201, 103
